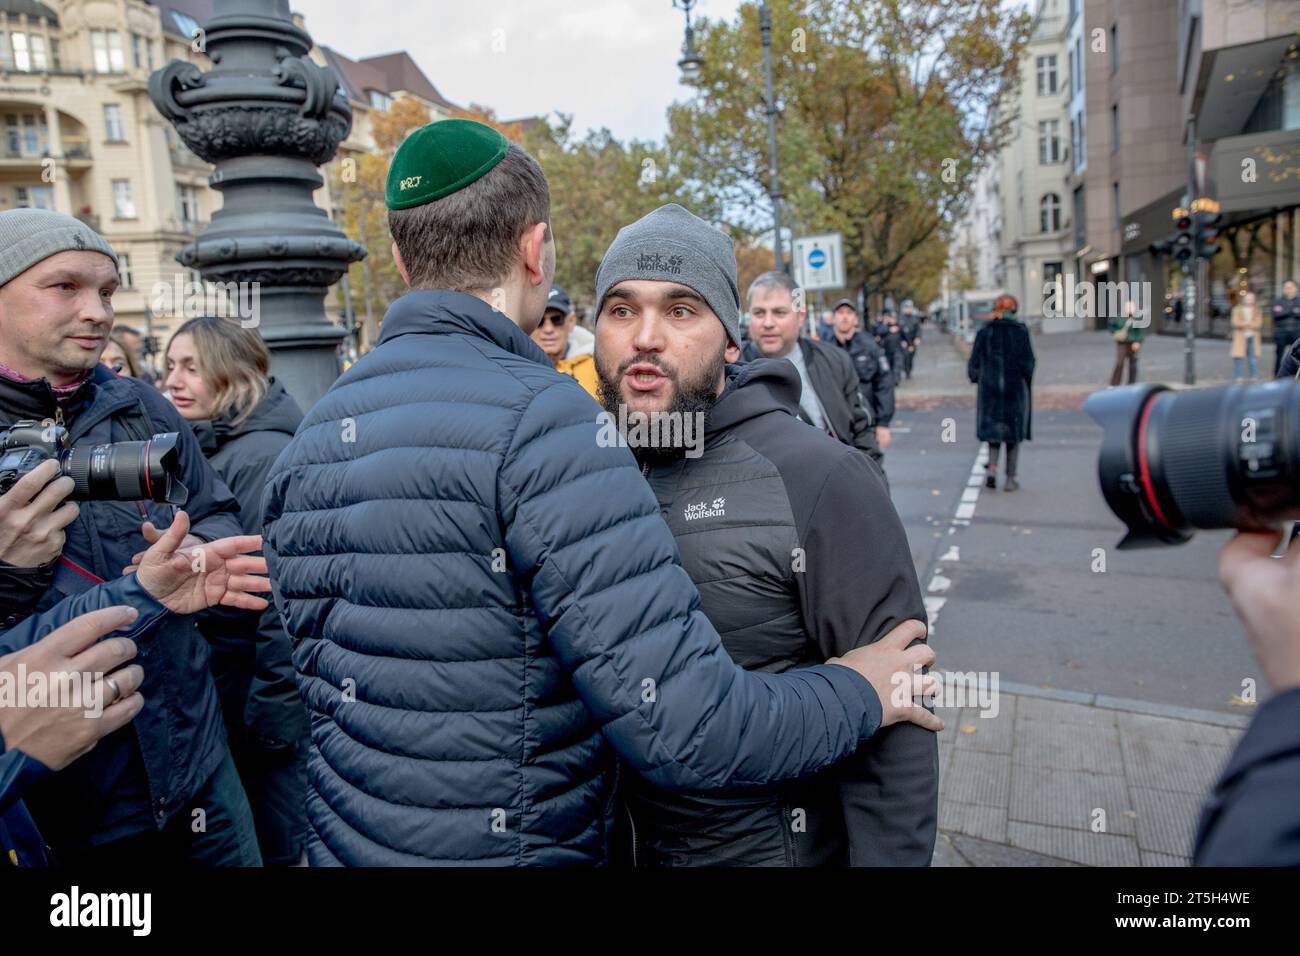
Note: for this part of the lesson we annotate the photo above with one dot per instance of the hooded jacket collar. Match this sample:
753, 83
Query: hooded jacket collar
276, 412
753, 389
35, 399
438, 311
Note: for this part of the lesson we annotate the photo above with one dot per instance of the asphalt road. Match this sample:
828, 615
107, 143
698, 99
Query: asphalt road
1020, 595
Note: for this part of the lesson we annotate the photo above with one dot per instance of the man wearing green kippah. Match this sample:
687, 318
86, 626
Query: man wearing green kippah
485, 601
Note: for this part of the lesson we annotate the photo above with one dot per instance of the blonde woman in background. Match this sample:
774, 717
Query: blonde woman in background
218, 377
1247, 329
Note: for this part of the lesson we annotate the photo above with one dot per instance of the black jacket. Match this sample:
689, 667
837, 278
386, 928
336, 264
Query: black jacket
1253, 816
836, 384
1002, 364
799, 556
1290, 367
137, 778
1286, 317
874, 375
253, 659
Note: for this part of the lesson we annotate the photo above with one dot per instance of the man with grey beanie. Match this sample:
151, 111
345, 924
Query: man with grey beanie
134, 797
790, 537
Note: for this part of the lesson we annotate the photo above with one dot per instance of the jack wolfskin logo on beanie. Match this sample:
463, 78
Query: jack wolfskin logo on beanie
673, 245
658, 262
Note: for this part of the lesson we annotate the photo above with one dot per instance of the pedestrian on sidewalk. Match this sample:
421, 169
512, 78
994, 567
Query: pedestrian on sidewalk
1286, 322
1002, 365
1128, 331
1247, 326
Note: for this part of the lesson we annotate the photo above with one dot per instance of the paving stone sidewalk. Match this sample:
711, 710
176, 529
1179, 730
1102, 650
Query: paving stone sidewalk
1053, 782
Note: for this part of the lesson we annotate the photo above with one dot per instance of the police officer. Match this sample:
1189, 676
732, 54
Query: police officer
890, 336
872, 366
1286, 322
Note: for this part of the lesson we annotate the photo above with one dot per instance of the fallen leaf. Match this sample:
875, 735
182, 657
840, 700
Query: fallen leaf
969, 729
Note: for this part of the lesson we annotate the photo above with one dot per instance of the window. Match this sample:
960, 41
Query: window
1074, 86
106, 51
1049, 141
1114, 127
116, 131
6, 57
148, 54
124, 270
40, 60
1079, 66
380, 101
1047, 75
26, 135
1114, 48
55, 62
137, 51
1077, 219
22, 58
123, 201
1052, 271
1049, 213
187, 204
34, 197
1114, 193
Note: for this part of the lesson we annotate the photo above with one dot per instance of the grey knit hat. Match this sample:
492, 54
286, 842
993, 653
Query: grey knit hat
672, 245
29, 235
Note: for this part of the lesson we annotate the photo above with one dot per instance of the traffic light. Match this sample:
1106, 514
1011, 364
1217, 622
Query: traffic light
1183, 242
1207, 231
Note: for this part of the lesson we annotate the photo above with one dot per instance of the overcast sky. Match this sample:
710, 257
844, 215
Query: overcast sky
609, 62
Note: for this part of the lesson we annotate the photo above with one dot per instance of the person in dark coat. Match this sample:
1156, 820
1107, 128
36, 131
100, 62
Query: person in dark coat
1252, 817
831, 398
1002, 365
1286, 323
766, 519
875, 376
218, 376
486, 604
39, 738
891, 337
132, 797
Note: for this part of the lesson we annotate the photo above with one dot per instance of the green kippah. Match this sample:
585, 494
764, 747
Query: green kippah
438, 159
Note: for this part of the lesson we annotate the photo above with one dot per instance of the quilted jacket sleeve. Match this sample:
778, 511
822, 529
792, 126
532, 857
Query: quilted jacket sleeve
584, 534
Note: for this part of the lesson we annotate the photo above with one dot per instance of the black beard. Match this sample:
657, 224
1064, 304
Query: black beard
689, 398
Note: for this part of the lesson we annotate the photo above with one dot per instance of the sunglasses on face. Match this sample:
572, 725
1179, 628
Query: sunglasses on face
556, 320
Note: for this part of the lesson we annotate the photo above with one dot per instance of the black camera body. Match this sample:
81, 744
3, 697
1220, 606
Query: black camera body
112, 471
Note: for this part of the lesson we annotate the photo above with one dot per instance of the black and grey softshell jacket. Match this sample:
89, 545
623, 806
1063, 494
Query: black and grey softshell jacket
799, 556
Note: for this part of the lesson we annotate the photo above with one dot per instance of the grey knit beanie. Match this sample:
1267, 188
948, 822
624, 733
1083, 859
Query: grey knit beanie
672, 245
29, 235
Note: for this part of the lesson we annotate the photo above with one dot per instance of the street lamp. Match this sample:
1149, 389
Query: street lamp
690, 66
690, 62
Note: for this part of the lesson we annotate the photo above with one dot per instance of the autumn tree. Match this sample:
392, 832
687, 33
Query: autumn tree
886, 114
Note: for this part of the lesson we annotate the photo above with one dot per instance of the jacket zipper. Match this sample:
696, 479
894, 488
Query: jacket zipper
791, 854
631, 825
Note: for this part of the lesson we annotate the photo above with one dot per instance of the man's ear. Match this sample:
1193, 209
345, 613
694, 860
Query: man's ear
532, 247
731, 354
401, 266
571, 321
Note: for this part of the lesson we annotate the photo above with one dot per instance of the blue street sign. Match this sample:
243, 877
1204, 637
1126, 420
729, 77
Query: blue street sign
816, 258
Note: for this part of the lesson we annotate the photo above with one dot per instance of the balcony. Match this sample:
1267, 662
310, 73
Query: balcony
184, 157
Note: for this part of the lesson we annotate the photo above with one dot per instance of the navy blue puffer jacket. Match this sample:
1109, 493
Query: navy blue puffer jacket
484, 598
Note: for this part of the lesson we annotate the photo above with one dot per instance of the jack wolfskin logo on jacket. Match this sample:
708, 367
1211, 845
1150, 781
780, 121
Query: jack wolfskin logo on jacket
704, 510
656, 262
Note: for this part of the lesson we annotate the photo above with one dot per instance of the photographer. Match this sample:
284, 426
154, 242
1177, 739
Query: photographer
1253, 816
57, 279
43, 735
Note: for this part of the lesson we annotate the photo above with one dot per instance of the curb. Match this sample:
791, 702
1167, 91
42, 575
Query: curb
1130, 705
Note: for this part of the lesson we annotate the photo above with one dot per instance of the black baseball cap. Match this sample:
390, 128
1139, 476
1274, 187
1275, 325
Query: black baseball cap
849, 302
559, 299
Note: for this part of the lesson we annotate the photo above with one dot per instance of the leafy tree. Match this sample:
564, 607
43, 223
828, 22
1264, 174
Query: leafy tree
887, 110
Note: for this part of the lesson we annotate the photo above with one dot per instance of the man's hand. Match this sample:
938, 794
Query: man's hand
894, 671
153, 536
186, 578
883, 437
56, 736
1263, 590
33, 515
1137, 346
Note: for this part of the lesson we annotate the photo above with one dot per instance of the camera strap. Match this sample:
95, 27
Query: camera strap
71, 578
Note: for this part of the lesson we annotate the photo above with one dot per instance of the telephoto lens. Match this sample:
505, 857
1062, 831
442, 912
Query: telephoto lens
1225, 457
127, 471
